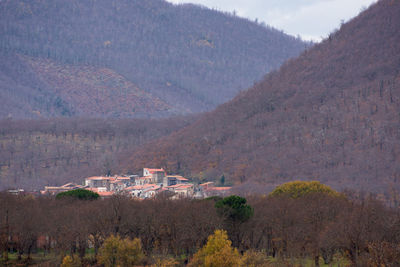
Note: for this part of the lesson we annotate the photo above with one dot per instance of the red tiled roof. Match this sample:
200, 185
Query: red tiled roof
93, 189
218, 188
149, 185
208, 183
152, 188
123, 178
130, 187
184, 186
175, 186
116, 182
135, 187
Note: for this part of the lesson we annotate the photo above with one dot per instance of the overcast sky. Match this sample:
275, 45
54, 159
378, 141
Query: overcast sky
311, 19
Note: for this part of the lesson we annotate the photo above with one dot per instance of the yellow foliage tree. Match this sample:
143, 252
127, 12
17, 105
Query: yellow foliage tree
120, 252
297, 189
218, 252
69, 261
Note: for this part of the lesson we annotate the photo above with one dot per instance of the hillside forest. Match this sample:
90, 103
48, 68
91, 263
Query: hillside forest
129, 59
35, 153
331, 114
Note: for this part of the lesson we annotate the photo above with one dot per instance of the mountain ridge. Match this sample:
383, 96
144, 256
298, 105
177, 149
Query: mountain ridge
331, 114
189, 57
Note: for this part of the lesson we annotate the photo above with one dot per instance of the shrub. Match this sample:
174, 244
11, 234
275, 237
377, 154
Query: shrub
69, 261
80, 194
253, 258
120, 252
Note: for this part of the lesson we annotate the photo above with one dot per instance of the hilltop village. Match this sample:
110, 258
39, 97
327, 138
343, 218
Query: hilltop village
152, 183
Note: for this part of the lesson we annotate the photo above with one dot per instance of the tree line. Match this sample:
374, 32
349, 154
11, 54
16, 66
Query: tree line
278, 228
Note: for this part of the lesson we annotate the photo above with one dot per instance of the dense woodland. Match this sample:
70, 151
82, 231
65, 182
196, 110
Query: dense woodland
279, 230
35, 153
332, 114
125, 58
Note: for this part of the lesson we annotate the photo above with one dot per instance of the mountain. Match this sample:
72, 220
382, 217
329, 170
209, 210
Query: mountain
146, 58
37, 87
332, 114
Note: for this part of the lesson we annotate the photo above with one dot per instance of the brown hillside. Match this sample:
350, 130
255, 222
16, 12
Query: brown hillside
35, 153
332, 115
190, 57
39, 88
96, 92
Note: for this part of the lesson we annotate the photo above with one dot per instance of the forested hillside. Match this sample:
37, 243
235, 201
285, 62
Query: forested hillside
36, 87
164, 59
35, 153
331, 114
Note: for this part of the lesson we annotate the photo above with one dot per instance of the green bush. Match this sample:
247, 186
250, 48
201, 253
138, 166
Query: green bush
234, 208
80, 194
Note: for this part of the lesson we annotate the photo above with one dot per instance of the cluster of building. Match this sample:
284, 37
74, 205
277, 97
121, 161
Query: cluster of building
150, 184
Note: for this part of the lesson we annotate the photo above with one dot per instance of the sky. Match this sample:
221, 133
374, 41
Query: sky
310, 19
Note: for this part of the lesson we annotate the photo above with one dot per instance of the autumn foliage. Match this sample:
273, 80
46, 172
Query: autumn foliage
218, 252
299, 189
71, 261
120, 252
359, 230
